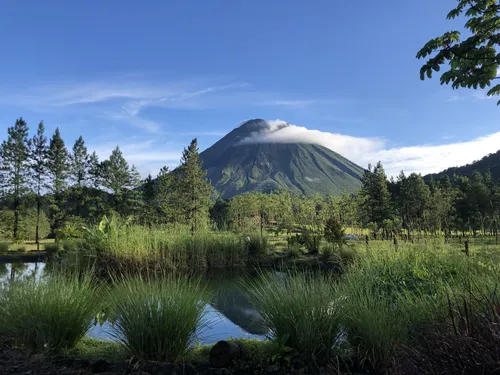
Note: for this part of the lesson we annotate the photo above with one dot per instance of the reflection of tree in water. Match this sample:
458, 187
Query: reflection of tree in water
17, 268
3, 269
229, 300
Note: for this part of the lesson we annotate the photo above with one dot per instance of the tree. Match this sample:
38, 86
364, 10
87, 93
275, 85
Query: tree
95, 173
164, 195
334, 233
375, 198
79, 170
58, 168
193, 189
38, 166
473, 61
121, 180
15, 167
414, 200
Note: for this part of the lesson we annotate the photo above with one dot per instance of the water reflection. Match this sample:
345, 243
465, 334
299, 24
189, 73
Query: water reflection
229, 314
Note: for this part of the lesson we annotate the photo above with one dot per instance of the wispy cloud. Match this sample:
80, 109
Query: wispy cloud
125, 99
419, 159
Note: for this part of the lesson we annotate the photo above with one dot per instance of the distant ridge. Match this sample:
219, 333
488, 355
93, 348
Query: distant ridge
491, 162
235, 166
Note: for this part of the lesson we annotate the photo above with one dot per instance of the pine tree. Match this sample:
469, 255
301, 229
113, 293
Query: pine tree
79, 171
375, 198
58, 168
121, 180
193, 189
38, 166
164, 195
95, 173
15, 167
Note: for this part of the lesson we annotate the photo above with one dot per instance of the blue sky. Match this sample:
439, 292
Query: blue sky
149, 76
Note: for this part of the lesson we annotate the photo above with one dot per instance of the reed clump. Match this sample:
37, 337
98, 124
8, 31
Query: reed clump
156, 318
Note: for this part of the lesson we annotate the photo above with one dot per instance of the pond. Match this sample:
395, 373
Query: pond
229, 315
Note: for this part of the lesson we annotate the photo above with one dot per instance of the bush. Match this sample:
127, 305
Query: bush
294, 250
22, 249
50, 314
327, 251
300, 311
155, 318
311, 240
256, 246
4, 248
334, 233
51, 248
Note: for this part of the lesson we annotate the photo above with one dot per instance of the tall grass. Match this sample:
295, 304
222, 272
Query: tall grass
157, 319
390, 297
300, 310
49, 314
166, 248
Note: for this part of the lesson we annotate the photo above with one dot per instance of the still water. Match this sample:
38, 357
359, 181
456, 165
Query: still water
229, 315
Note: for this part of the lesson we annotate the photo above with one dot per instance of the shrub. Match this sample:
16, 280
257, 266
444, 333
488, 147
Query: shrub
21, 249
327, 251
256, 245
300, 311
4, 248
294, 250
51, 248
50, 314
334, 233
311, 240
156, 319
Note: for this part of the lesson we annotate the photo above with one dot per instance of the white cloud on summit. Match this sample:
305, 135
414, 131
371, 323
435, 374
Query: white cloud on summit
420, 158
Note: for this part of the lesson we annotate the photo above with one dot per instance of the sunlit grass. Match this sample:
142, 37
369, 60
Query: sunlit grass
49, 314
300, 310
157, 318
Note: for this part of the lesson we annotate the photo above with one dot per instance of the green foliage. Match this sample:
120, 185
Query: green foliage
122, 181
14, 168
71, 227
51, 248
51, 314
294, 249
300, 311
27, 225
333, 232
38, 166
374, 195
58, 169
4, 248
256, 246
192, 190
311, 240
163, 247
156, 319
78, 172
472, 61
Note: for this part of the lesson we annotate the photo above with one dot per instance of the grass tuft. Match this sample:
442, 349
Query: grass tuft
156, 319
300, 311
50, 314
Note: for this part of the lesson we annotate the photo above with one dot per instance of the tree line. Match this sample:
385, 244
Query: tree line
46, 188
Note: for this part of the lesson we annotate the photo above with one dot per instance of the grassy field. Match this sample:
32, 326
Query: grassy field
27, 245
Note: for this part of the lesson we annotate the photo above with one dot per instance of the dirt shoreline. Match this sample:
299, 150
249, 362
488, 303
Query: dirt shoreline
19, 362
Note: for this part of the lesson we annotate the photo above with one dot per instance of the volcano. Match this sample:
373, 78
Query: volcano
242, 161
